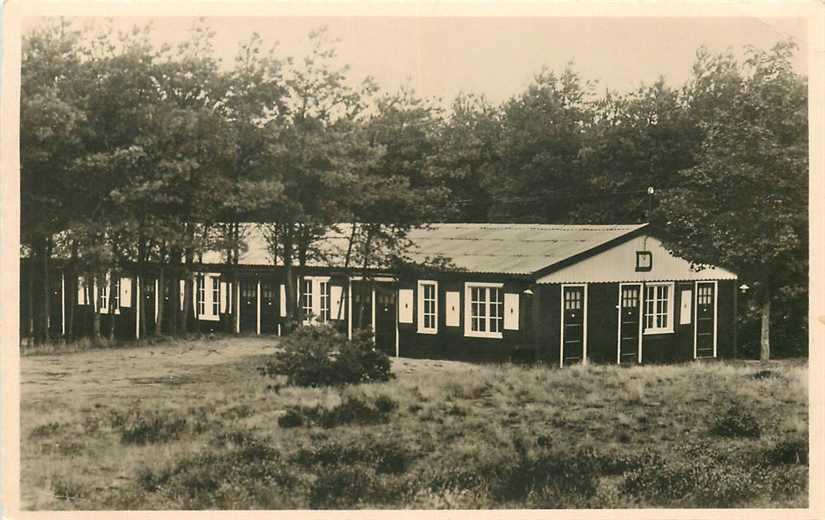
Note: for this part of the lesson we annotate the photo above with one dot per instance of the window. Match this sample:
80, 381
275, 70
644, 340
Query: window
484, 310
427, 307
705, 295
324, 297
102, 296
116, 295
306, 299
201, 296
630, 297
658, 308
216, 296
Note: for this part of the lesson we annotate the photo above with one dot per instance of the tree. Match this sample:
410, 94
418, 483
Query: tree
51, 124
640, 139
542, 137
317, 151
744, 205
468, 154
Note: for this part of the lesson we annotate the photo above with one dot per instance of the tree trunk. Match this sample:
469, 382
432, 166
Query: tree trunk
347, 259
174, 292
140, 286
46, 319
291, 299
30, 303
765, 342
95, 308
187, 304
71, 287
187, 295
160, 294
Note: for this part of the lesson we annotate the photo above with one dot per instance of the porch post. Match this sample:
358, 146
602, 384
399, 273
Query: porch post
372, 325
62, 303
137, 307
258, 316
349, 307
237, 303
536, 319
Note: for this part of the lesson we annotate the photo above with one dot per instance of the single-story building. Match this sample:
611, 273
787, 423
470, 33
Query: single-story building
560, 293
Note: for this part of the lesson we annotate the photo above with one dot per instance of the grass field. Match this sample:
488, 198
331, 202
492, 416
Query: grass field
192, 425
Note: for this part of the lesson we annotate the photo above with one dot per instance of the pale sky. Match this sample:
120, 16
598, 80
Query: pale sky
497, 57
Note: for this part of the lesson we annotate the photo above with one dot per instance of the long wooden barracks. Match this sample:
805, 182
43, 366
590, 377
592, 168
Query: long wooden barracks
561, 293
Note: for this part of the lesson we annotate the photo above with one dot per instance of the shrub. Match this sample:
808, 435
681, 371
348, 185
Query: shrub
250, 475
359, 362
352, 410
341, 488
68, 489
736, 422
320, 356
787, 451
293, 418
552, 478
45, 430
143, 428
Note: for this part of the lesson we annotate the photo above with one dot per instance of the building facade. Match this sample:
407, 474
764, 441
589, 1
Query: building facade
563, 294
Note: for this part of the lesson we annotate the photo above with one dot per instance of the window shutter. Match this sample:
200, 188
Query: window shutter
81, 291
686, 310
125, 292
405, 305
452, 306
511, 303
223, 292
282, 301
335, 304
182, 292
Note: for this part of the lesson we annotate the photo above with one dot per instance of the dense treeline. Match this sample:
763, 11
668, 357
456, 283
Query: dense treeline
133, 154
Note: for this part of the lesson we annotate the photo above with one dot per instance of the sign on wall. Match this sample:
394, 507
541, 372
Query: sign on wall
405, 305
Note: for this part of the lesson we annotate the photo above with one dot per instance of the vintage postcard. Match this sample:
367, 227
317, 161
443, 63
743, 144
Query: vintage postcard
397, 257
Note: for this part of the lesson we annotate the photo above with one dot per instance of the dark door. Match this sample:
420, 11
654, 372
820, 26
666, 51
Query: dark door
629, 321
705, 319
249, 306
148, 303
385, 318
56, 306
573, 325
269, 308
361, 306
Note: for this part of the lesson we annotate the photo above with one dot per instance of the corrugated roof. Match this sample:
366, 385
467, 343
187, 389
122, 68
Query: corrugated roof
480, 248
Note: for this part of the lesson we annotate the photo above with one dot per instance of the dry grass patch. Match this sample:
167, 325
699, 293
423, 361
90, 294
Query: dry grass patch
450, 435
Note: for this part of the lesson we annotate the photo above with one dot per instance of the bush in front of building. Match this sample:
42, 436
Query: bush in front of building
321, 356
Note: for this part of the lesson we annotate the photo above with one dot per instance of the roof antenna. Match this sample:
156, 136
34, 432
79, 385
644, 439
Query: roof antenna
650, 192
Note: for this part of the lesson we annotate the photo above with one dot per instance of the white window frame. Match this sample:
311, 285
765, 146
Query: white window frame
201, 294
422, 314
316, 284
103, 297
323, 301
668, 329
468, 310
216, 296
307, 297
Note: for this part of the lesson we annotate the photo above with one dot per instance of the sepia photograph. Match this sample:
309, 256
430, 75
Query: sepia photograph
412, 262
